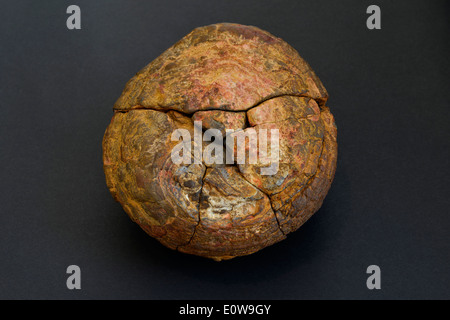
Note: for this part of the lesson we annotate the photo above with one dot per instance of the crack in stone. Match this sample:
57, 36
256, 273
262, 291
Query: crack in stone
312, 178
247, 125
300, 191
169, 107
199, 215
268, 197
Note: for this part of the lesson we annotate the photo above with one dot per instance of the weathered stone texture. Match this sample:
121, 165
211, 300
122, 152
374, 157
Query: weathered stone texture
228, 76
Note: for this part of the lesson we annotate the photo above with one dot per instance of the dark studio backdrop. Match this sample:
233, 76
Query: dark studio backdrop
388, 205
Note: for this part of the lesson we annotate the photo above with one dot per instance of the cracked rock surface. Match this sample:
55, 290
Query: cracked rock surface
228, 76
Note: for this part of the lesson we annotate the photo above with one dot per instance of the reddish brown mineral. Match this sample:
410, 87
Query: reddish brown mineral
228, 76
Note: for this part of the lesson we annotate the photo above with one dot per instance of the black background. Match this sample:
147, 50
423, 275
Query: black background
389, 203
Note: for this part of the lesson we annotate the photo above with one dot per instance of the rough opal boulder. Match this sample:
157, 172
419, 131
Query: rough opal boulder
227, 76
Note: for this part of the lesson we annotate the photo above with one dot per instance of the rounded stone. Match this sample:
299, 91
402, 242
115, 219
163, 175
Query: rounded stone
228, 76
